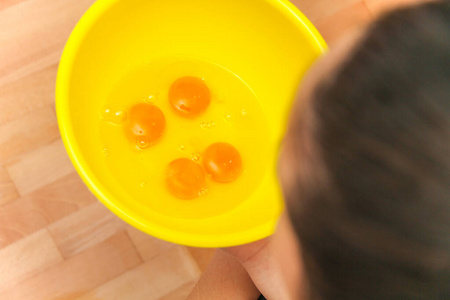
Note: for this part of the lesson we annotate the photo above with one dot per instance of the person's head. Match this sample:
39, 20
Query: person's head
365, 166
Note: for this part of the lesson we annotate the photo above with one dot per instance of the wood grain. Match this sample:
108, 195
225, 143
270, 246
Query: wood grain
27, 133
19, 220
8, 191
31, 92
7, 3
151, 280
27, 258
42, 207
57, 242
84, 229
147, 246
28, 25
80, 274
7, 235
40, 167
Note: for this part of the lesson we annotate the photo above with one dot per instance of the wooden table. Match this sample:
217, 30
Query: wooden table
56, 240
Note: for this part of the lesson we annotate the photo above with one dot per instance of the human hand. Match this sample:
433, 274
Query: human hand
259, 260
243, 272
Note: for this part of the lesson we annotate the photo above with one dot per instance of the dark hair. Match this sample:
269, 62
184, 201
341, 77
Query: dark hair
371, 201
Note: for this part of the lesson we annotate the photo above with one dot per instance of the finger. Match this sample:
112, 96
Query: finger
245, 252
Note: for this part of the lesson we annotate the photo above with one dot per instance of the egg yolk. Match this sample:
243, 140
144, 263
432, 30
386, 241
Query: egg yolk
223, 162
189, 96
145, 124
185, 179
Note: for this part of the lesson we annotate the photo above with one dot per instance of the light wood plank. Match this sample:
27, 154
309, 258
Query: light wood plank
27, 258
80, 274
42, 207
84, 229
12, 229
24, 28
40, 167
8, 191
7, 235
147, 246
63, 195
8, 3
31, 92
152, 280
337, 25
28, 133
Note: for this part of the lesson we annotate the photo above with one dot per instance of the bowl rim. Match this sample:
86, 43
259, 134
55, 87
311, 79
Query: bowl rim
71, 48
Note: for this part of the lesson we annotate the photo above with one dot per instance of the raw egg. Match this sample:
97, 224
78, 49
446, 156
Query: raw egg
143, 159
189, 96
223, 162
146, 124
185, 179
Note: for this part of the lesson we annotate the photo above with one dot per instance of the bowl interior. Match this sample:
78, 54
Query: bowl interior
268, 44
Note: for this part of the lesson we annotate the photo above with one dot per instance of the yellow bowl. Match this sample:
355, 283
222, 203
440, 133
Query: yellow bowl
269, 44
